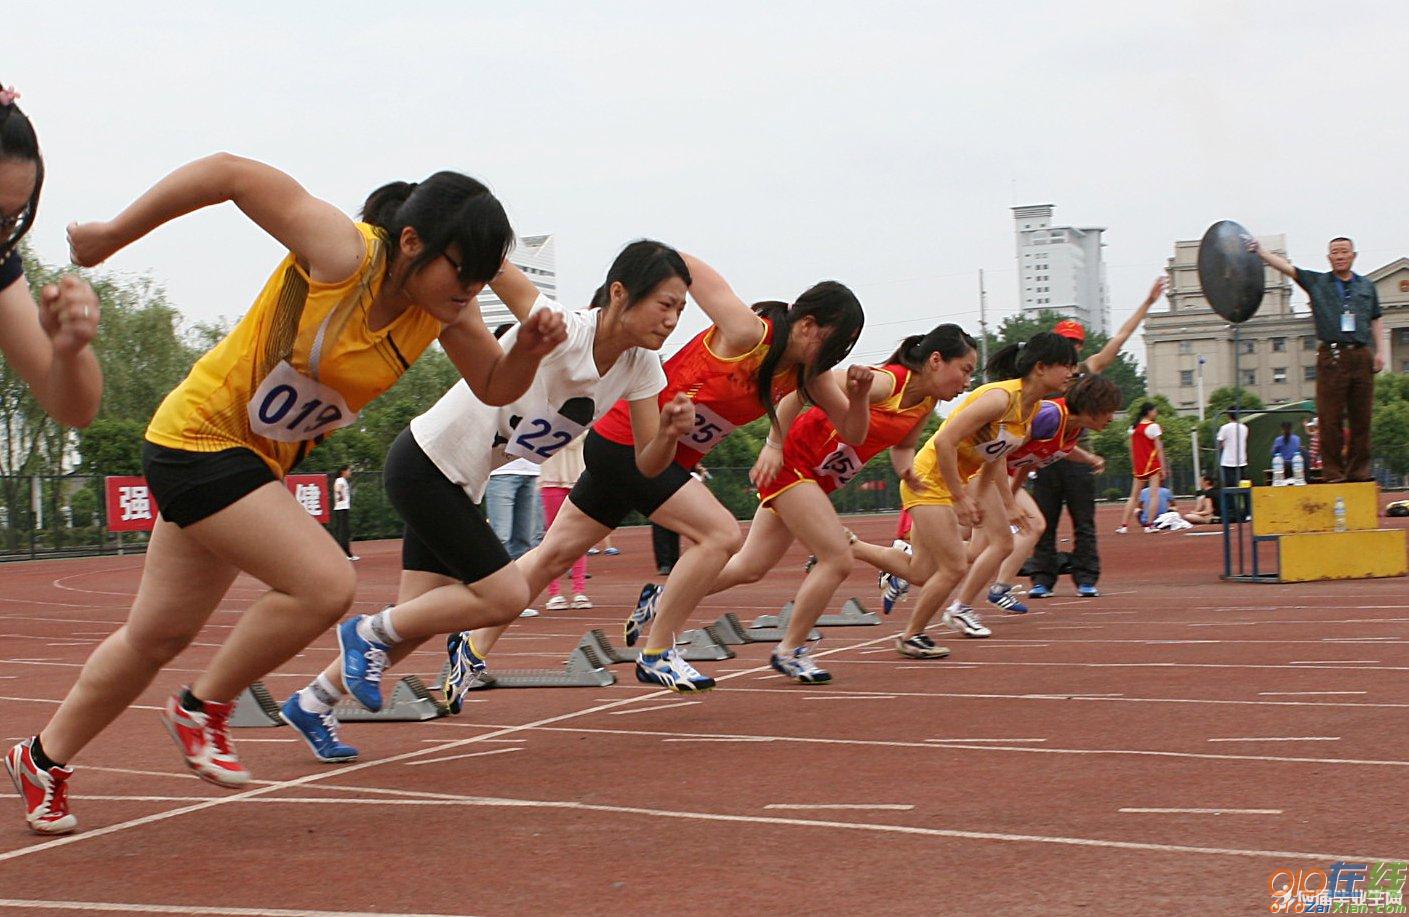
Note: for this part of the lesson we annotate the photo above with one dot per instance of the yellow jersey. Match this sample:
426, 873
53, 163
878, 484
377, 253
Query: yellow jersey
300, 364
989, 443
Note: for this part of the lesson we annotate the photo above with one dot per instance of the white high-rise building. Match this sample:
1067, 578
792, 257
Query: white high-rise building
1060, 268
535, 256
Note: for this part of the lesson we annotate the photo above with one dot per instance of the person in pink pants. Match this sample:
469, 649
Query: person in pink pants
559, 474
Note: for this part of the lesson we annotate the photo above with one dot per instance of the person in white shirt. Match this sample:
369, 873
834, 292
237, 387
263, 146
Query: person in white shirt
455, 573
342, 507
1233, 459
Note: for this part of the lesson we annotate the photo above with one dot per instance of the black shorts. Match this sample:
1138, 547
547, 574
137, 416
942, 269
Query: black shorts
445, 532
191, 486
612, 486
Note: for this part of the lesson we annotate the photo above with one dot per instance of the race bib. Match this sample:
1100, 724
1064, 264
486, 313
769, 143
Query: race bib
542, 433
996, 448
710, 430
289, 407
841, 465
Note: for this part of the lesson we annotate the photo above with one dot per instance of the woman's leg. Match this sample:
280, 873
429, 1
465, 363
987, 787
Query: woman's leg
810, 516
695, 513
1130, 504
1152, 498
998, 544
940, 552
767, 541
1024, 543
553, 498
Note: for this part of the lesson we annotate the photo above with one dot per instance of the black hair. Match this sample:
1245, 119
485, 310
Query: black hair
1145, 409
641, 267
1341, 239
1092, 395
1017, 360
948, 340
501, 330
832, 306
342, 468
446, 209
1287, 426
1232, 413
18, 142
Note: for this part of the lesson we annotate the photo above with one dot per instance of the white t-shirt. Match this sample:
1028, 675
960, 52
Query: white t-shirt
467, 439
518, 466
342, 494
1233, 437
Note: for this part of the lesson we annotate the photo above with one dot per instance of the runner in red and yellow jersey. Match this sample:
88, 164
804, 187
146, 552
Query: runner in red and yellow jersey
923, 371
1146, 464
732, 373
342, 317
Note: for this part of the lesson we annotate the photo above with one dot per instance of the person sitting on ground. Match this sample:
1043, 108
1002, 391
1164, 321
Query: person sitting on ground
1163, 502
1205, 508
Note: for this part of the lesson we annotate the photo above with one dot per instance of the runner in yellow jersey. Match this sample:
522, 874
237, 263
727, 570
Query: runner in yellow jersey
972, 442
342, 317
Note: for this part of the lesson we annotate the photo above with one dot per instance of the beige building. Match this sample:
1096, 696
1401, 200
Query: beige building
1277, 346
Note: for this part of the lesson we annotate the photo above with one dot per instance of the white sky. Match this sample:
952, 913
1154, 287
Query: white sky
878, 143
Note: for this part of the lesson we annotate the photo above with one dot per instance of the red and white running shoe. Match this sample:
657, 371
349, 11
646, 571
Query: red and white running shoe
45, 793
204, 740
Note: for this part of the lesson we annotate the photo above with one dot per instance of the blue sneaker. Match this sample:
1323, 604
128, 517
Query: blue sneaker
669, 670
362, 665
319, 730
892, 589
1088, 591
465, 671
1039, 591
798, 666
1003, 597
645, 613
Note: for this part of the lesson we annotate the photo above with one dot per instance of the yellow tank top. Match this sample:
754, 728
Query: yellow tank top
990, 443
304, 322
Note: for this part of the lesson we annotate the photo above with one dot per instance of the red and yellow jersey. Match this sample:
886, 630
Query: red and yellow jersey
812, 450
300, 364
724, 390
1144, 449
1039, 453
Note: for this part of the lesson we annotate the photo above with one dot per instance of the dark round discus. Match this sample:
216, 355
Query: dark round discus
1231, 276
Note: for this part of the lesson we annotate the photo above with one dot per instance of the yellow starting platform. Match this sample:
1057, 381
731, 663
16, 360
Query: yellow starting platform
1301, 523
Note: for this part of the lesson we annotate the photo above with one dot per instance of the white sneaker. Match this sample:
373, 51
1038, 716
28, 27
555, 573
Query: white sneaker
581, 601
965, 620
557, 603
529, 613
1120, 531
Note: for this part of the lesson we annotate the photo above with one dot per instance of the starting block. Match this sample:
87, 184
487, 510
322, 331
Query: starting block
730, 631
852, 614
410, 702
694, 646
584, 668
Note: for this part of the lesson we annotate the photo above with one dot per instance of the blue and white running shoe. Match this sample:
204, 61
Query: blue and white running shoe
464, 673
798, 666
319, 730
965, 620
362, 664
671, 671
1088, 591
892, 589
1004, 598
645, 613
1039, 591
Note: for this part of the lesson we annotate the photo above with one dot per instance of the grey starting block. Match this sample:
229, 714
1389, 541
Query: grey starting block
852, 614
694, 646
596, 639
731, 632
410, 702
256, 707
585, 668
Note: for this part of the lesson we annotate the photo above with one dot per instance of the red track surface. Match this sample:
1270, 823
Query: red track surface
601, 800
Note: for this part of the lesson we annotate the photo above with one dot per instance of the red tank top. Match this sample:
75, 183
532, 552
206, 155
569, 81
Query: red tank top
813, 450
1144, 456
1039, 453
723, 389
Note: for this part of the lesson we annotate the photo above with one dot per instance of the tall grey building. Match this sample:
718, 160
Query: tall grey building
1060, 268
536, 256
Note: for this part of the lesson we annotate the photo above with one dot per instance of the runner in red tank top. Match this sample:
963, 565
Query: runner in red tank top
732, 373
1146, 464
901, 396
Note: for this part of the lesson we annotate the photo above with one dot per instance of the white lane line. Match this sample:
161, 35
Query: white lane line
44, 700
850, 697
887, 807
1338, 667
473, 754
1334, 662
1201, 811
683, 703
723, 739
507, 741
985, 740
1280, 739
1304, 693
194, 909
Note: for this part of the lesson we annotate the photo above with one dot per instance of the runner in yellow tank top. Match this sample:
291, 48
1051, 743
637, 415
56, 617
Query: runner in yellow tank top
972, 442
344, 314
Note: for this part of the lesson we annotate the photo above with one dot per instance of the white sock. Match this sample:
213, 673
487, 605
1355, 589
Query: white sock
378, 628
320, 696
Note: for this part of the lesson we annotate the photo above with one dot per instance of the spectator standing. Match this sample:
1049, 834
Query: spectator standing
1233, 460
342, 511
1288, 466
558, 476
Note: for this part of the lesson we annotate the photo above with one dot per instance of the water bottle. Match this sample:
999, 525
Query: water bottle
1340, 514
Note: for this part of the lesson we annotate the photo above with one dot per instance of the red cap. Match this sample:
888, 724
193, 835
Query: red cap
1070, 328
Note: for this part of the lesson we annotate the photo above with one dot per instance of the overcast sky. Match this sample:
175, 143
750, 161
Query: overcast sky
880, 144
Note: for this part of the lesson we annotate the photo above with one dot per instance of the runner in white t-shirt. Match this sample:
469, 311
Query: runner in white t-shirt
456, 575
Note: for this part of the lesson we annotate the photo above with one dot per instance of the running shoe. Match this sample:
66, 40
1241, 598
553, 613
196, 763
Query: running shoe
557, 603
965, 620
1005, 597
1039, 591
673, 672
593, 552
465, 672
612, 552
1121, 531
581, 602
45, 792
362, 664
920, 646
319, 730
1150, 530
645, 612
1088, 591
529, 613
798, 666
204, 739
892, 589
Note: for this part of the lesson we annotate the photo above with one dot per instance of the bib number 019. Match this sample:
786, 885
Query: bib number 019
281, 401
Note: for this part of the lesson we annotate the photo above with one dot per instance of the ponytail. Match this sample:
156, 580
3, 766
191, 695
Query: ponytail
1017, 360
947, 340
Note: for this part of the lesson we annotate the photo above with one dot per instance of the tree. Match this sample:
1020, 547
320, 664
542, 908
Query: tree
1124, 372
1389, 424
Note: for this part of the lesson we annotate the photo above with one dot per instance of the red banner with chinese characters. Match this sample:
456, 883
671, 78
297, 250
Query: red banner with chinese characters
312, 491
131, 506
